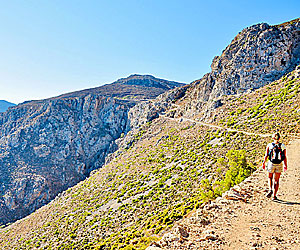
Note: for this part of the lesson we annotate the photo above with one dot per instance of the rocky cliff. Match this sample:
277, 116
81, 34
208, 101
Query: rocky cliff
257, 56
49, 145
173, 167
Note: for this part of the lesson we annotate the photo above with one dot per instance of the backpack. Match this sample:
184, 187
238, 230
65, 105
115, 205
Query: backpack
276, 154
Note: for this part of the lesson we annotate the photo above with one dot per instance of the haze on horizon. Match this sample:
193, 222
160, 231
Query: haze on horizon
53, 47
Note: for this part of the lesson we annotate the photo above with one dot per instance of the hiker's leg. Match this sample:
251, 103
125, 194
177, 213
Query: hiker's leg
276, 182
270, 181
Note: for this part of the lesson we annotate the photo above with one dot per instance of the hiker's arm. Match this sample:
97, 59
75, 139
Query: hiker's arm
266, 158
285, 160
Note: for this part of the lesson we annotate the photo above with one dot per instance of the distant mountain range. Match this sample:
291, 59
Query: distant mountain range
4, 105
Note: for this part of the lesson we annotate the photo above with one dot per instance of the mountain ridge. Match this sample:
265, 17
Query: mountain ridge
136, 198
170, 163
137, 85
46, 146
257, 56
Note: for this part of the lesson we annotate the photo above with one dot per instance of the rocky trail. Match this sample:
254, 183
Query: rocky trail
243, 218
182, 119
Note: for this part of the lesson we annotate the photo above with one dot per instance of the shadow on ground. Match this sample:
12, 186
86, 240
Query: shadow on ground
287, 202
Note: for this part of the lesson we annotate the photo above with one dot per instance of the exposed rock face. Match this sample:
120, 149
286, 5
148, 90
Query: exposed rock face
49, 145
4, 105
147, 111
47, 148
258, 55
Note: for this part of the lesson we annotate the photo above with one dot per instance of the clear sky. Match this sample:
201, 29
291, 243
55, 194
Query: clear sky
52, 47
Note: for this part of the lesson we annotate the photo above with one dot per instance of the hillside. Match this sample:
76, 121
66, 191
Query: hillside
4, 105
256, 223
134, 88
47, 146
172, 166
244, 218
275, 106
185, 147
258, 55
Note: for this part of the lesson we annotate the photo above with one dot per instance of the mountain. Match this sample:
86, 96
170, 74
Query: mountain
275, 107
4, 105
258, 55
171, 162
171, 167
47, 146
134, 87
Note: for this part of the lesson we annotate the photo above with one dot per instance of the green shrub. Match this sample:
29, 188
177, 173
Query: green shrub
238, 170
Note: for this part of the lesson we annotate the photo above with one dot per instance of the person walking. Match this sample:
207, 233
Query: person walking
276, 156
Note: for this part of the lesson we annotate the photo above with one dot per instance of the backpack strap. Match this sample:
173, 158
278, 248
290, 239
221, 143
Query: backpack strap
271, 150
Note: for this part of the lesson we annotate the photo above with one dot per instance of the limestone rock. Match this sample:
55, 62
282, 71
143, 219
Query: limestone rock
46, 148
50, 145
257, 56
179, 233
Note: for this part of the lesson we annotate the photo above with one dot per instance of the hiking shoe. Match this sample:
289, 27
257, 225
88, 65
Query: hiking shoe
269, 194
274, 198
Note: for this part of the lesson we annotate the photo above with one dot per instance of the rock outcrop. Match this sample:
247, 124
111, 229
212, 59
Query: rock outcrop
49, 145
147, 111
257, 56
44, 149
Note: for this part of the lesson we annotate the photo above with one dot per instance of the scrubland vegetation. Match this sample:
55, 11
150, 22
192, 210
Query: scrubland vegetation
273, 107
171, 169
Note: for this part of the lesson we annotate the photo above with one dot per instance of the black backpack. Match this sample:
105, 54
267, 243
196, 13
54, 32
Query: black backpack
276, 154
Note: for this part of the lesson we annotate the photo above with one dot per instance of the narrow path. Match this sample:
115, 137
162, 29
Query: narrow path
277, 224
213, 126
259, 223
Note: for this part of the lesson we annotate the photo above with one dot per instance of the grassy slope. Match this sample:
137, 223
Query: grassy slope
135, 198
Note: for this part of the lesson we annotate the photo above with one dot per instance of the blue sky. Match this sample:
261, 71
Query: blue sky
52, 47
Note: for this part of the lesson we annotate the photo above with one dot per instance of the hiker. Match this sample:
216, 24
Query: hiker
276, 153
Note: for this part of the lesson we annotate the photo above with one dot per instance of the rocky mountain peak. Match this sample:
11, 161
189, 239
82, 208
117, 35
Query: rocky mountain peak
148, 81
134, 88
49, 145
258, 55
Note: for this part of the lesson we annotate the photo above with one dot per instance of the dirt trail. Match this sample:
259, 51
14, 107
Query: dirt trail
271, 225
228, 129
182, 119
259, 223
